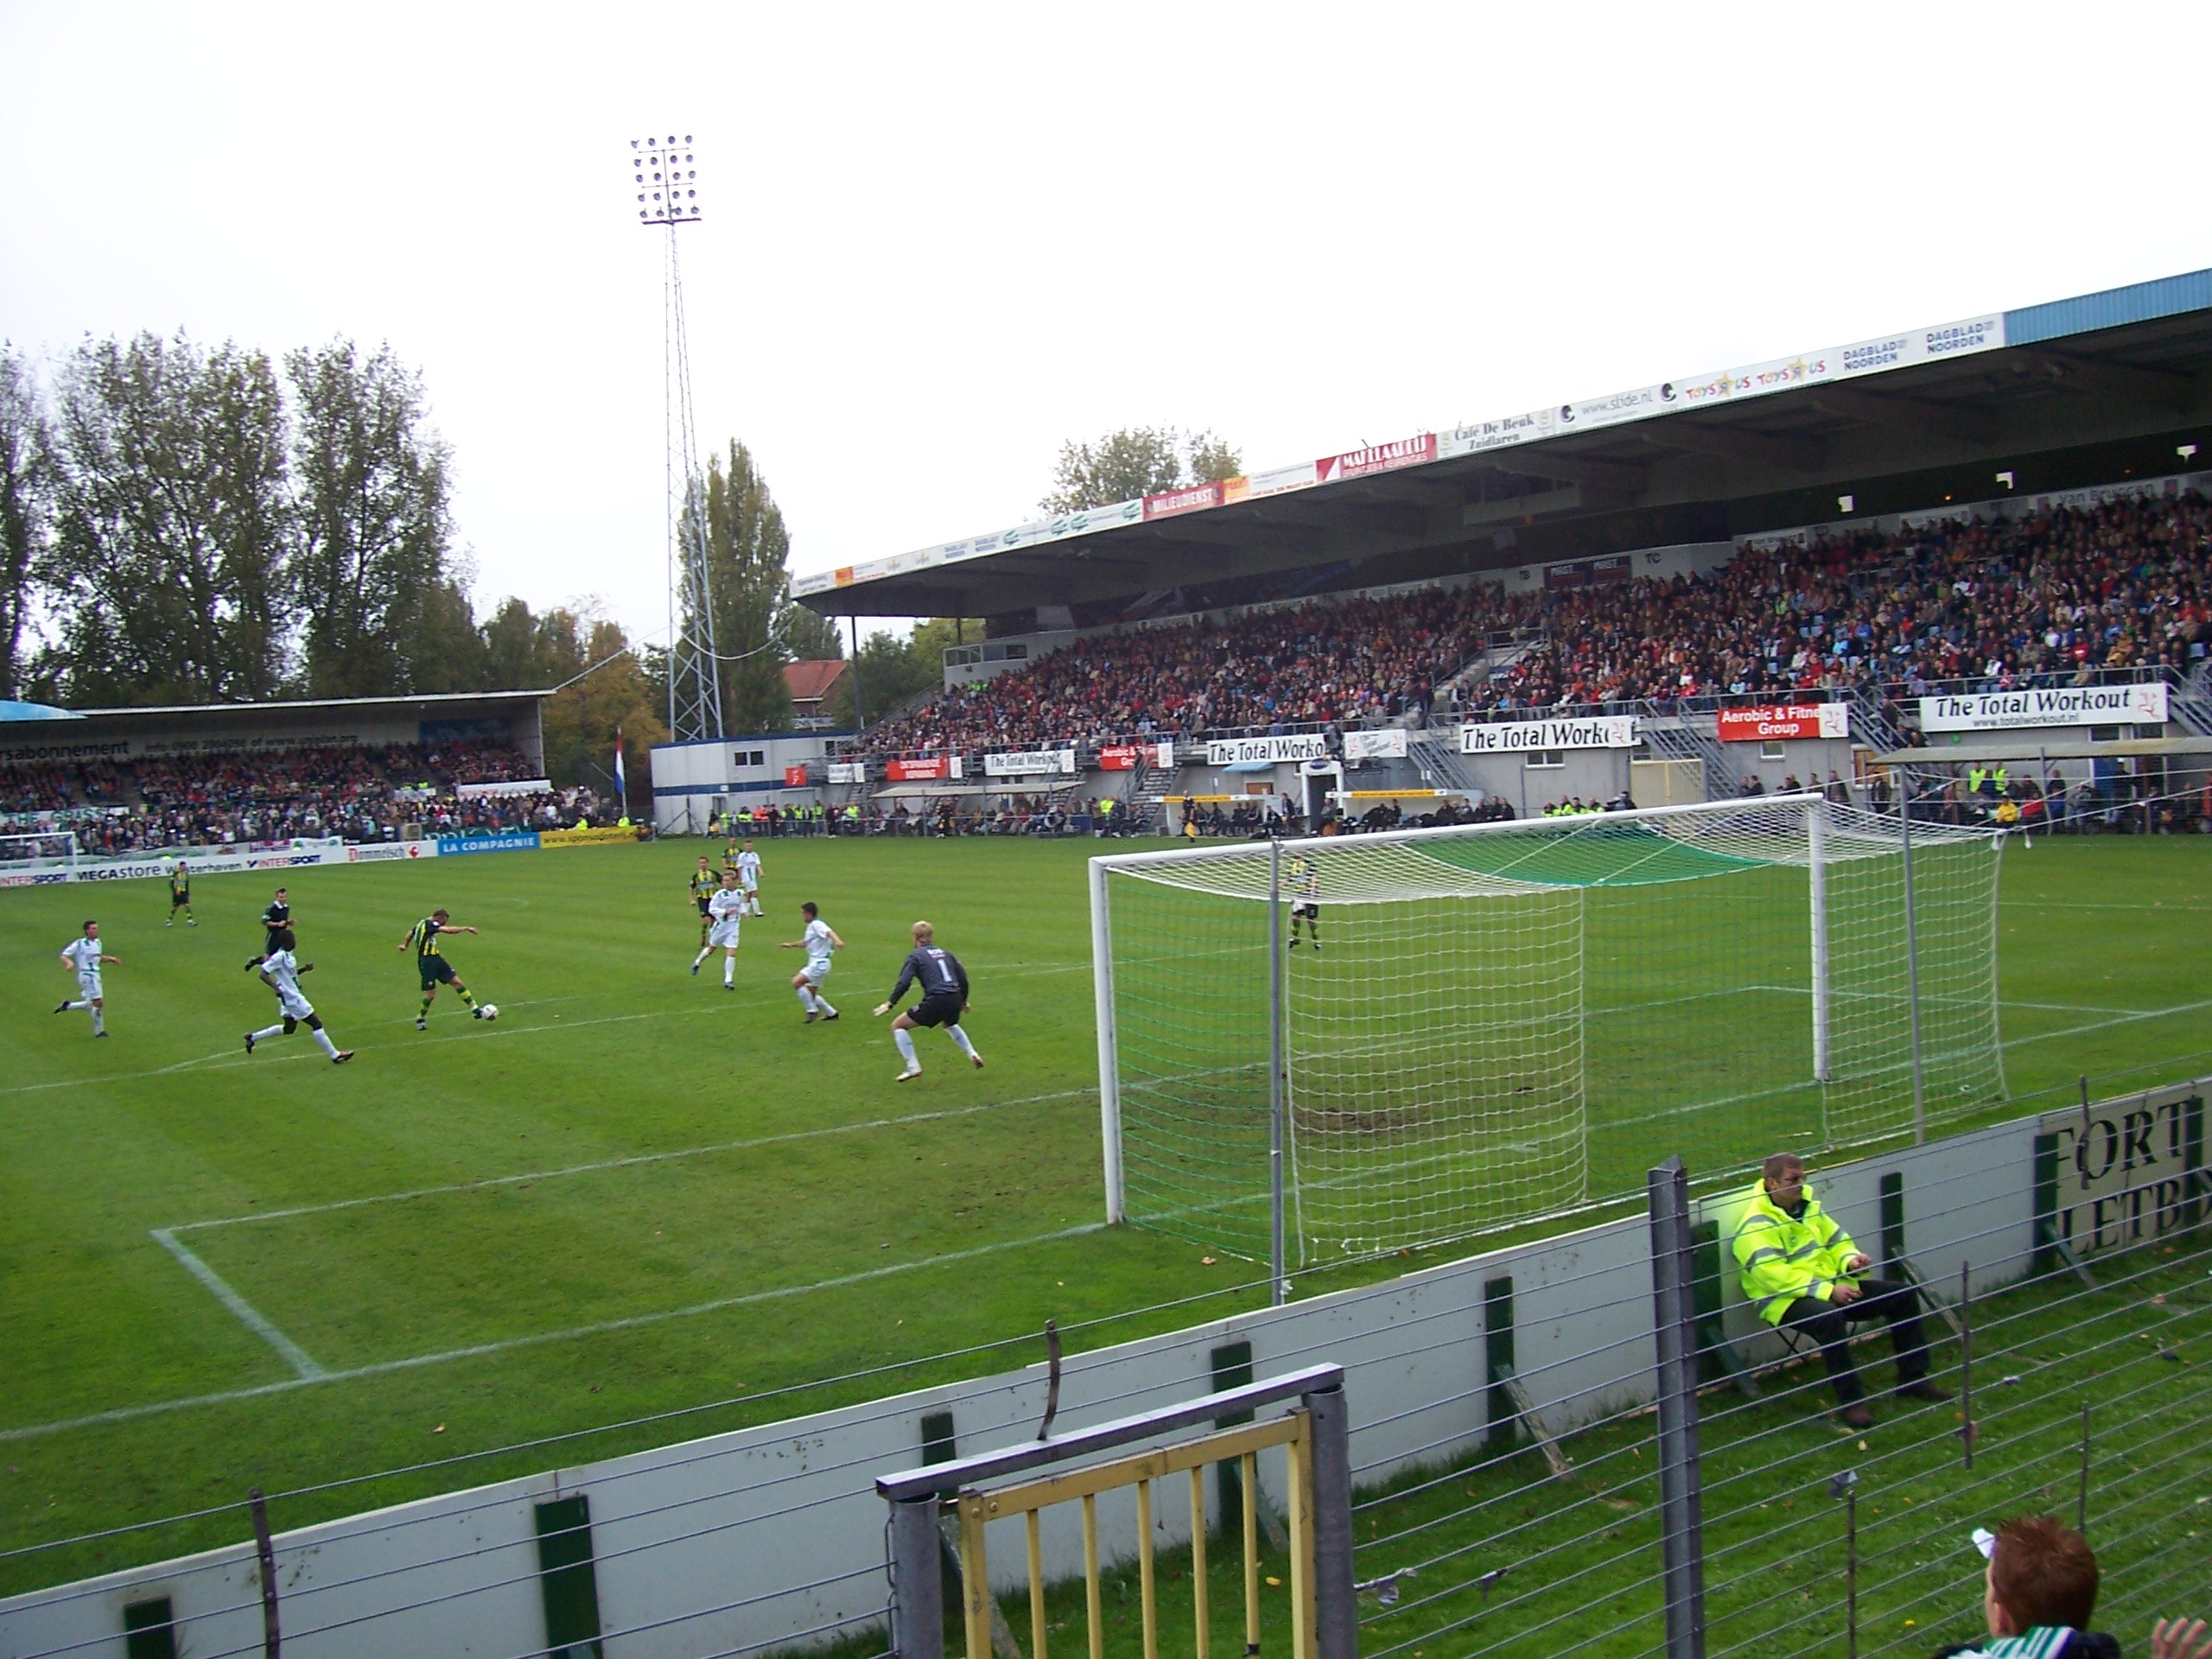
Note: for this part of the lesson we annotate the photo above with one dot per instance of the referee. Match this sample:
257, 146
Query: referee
274, 920
944, 998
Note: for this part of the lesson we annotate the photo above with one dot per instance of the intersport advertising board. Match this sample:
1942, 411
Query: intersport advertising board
2059, 705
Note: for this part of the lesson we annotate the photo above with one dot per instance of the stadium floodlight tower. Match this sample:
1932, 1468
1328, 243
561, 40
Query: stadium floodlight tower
668, 197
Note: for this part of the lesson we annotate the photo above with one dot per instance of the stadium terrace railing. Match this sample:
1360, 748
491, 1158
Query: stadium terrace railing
1507, 1495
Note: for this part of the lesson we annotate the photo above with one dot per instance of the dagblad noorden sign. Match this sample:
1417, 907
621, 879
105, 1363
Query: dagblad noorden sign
2127, 1170
1526, 736
2058, 705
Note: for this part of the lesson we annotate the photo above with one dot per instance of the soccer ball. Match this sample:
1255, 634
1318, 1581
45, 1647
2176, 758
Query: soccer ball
490, 1011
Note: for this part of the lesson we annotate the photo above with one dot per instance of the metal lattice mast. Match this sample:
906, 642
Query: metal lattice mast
668, 196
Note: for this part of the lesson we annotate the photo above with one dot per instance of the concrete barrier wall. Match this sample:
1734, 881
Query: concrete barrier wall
772, 1534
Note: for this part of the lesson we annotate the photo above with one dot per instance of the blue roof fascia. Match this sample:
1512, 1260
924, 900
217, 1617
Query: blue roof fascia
2139, 302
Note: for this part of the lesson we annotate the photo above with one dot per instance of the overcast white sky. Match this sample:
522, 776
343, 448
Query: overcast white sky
941, 240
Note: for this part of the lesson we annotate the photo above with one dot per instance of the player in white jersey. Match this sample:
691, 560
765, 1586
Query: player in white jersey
818, 941
86, 956
748, 876
280, 972
725, 911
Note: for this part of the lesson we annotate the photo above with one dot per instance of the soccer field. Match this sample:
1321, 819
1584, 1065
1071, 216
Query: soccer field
637, 1193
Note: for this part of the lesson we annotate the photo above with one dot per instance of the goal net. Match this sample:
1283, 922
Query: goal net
1483, 1025
38, 850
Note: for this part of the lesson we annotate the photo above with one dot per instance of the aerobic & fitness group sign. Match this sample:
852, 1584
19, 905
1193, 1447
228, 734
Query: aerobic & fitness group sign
1528, 736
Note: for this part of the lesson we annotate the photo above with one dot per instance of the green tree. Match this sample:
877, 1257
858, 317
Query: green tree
894, 673
747, 546
173, 526
811, 638
613, 693
372, 492
26, 489
449, 652
529, 653
1134, 461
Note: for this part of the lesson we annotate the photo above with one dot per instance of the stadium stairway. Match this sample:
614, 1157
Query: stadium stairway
1871, 724
2191, 701
1439, 766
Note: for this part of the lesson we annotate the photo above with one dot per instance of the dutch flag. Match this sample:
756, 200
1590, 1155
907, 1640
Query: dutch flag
621, 784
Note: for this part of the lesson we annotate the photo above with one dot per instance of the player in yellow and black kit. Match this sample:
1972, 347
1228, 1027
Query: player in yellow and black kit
180, 895
422, 939
705, 884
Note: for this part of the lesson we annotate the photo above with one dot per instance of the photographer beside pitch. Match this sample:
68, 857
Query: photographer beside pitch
1801, 1270
944, 998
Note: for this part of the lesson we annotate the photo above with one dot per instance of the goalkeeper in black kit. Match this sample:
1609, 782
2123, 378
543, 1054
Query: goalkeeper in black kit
944, 998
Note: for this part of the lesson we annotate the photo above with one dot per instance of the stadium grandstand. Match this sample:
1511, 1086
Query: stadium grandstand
365, 769
1967, 543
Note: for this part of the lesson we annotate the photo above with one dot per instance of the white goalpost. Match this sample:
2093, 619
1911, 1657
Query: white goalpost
1491, 1023
38, 850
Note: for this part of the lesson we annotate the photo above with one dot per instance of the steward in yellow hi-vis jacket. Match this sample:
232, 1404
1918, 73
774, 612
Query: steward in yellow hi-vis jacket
1801, 1270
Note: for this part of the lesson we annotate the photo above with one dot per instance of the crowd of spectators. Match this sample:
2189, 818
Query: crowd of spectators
2050, 599
362, 793
1997, 604
1340, 664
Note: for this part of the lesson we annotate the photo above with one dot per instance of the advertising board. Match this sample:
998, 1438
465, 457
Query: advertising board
2143, 704
1127, 757
391, 852
935, 769
1255, 751
462, 846
2121, 1171
1389, 744
1526, 736
1027, 763
505, 790
1765, 723
848, 772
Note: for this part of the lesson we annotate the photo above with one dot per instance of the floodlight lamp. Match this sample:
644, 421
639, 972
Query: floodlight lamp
2186, 451
1847, 503
2006, 478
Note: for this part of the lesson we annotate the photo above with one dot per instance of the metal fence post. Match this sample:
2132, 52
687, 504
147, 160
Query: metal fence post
1280, 1287
1912, 963
1336, 1614
1675, 1325
917, 1580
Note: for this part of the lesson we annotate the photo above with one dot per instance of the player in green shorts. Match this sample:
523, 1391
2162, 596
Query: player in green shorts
180, 895
422, 939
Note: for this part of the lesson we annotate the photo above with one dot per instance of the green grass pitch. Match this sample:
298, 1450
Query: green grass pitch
637, 1193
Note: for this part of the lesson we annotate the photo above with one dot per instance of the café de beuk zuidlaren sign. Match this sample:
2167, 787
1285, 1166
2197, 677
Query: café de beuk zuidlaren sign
2126, 1171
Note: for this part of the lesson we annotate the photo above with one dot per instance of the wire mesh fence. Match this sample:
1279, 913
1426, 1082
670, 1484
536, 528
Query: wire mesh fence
1505, 1442
2080, 1392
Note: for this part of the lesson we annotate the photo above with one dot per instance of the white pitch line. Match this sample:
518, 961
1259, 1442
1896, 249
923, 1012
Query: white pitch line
630, 1162
246, 1313
383, 1367
2101, 1025
231, 1057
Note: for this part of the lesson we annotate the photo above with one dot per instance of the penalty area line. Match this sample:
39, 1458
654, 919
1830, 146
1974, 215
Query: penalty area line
477, 1350
246, 1313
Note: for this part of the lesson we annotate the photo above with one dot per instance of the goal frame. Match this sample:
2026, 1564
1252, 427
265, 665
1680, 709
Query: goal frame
1813, 805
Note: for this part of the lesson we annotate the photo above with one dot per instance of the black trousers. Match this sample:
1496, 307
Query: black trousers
1829, 1324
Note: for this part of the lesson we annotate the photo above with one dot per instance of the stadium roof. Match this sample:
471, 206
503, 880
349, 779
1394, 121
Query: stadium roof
2050, 398
33, 711
431, 702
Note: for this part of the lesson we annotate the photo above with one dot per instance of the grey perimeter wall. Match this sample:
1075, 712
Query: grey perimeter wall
769, 1533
